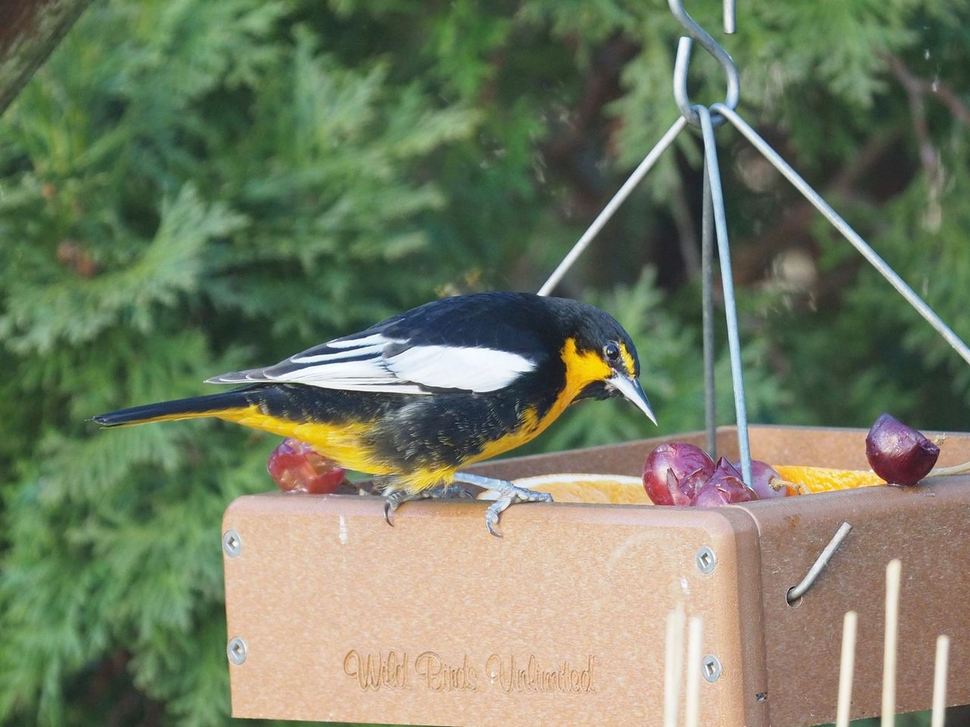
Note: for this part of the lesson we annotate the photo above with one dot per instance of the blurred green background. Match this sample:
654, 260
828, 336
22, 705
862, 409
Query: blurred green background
189, 187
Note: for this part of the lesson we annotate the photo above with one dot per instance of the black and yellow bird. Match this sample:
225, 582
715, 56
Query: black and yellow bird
414, 399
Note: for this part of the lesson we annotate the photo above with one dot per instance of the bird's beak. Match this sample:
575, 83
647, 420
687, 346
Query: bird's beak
631, 389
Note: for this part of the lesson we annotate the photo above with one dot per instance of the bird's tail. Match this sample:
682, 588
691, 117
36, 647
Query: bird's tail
191, 408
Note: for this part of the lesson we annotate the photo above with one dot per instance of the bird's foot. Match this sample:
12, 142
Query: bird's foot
508, 494
397, 498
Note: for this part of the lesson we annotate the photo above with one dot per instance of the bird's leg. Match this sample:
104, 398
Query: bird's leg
393, 500
508, 494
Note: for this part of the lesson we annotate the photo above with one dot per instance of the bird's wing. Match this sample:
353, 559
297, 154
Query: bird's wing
373, 361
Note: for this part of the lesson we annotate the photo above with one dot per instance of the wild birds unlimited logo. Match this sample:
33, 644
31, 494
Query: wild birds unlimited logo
429, 670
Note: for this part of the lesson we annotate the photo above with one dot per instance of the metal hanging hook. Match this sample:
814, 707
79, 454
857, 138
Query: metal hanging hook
682, 63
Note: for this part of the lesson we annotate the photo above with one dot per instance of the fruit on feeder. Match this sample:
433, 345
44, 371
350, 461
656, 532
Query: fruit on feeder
674, 471
296, 467
804, 480
723, 487
762, 477
679, 473
898, 453
604, 489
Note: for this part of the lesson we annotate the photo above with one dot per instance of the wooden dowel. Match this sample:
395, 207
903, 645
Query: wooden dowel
673, 665
846, 669
939, 680
695, 644
889, 644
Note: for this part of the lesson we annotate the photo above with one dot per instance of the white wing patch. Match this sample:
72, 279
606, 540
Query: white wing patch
448, 367
362, 364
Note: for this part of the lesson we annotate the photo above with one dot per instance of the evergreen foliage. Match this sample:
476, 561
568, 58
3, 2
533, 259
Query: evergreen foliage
189, 187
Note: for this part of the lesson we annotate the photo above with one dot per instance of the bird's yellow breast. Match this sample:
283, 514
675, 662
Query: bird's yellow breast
582, 369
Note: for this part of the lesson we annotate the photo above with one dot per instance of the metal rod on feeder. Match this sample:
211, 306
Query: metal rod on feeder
714, 216
611, 207
727, 285
842, 226
707, 295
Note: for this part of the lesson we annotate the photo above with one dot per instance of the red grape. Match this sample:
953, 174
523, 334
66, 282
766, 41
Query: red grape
762, 474
898, 453
296, 467
723, 487
673, 471
710, 496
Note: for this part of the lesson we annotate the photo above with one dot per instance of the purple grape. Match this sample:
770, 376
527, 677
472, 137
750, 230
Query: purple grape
723, 487
673, 471
898, 453
762, 474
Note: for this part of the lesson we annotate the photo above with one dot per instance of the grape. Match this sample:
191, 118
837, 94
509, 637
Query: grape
762, 474
296, 467
673, 471
898, 453
723, 487
710, 496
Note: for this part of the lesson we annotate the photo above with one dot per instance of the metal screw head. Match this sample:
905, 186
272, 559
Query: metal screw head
711, 668
706, 560
231, 543
236, 651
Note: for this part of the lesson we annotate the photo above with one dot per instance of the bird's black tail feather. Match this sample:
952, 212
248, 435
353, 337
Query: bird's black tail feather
191, 408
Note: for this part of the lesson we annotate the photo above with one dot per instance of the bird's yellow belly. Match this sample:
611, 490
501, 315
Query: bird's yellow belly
346, 443
343, 443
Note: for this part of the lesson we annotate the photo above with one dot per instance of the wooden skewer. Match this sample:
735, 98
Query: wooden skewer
939, 680
673, 665
846, 669
695, 643
889, 644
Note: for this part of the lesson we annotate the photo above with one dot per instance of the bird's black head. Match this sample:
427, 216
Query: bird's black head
600, 357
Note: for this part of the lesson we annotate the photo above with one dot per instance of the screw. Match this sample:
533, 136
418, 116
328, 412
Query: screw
712, 668
231, 543
706, 560
236, 651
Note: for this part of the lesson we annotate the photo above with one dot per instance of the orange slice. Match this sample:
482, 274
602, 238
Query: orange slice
603, 489
808, 480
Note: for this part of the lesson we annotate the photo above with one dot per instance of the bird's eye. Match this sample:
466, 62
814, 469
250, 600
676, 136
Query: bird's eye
612, 352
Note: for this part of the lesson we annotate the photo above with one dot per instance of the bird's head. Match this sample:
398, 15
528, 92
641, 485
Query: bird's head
601, 360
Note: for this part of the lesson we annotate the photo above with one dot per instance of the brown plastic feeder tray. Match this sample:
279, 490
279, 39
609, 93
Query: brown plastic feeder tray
333, 615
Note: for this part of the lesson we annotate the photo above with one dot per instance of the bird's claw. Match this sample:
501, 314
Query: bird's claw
394, 500
391, 503
493, 513
510, 496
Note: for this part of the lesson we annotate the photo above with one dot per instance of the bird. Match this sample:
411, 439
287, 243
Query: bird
416, 398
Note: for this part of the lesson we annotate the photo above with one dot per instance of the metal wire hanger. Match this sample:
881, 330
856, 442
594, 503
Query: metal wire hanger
714, 221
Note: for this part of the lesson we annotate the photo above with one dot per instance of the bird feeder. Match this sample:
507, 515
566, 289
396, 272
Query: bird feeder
332, 615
